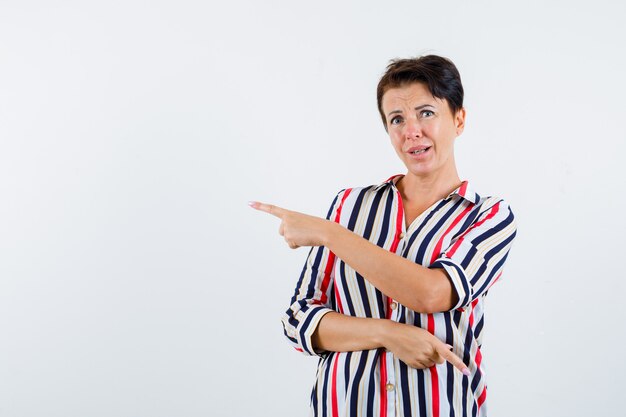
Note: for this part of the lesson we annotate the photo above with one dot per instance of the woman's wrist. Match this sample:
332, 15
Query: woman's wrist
329, 232
383, 331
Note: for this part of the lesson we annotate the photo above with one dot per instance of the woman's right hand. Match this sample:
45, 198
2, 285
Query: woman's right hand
418, 348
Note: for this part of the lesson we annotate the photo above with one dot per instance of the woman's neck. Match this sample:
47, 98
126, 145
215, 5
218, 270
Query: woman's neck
426, 190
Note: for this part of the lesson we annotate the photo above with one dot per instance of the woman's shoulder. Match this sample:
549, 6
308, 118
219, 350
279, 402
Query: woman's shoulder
486, 204
369, 188
491, 205
356, 197
350, 201
359, 191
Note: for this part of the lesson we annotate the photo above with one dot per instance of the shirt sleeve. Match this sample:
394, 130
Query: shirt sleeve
474, 260
312, 296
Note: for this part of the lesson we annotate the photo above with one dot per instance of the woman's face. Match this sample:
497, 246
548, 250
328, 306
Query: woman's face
416, 120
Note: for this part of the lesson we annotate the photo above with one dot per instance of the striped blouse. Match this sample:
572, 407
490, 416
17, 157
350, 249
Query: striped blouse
469, 237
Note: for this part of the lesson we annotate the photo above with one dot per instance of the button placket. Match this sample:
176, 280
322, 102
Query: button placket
390, 385
401, 243
393, 306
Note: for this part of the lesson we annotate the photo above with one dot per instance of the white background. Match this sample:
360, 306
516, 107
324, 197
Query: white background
136, 281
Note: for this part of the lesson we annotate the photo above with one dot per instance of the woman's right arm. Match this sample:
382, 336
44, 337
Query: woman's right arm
413, 345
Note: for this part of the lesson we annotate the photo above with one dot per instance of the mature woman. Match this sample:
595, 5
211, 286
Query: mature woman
391, 295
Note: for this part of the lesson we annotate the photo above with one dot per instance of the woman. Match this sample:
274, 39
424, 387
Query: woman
391, 294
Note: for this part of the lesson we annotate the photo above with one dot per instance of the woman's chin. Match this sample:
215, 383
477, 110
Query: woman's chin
419, 170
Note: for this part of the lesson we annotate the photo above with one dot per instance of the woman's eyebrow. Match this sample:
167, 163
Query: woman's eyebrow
423, 105
417, 108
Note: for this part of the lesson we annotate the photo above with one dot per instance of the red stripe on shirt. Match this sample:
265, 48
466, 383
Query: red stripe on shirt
463, 189
494, 211
331, 256
434, 378
383, 384
478, 358
471, 317
450, 252
399, 220
338, 299
334, 406
482, 398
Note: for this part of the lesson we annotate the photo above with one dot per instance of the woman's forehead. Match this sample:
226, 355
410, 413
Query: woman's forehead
414, 94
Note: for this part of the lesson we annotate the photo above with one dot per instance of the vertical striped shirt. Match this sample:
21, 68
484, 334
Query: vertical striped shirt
467, 235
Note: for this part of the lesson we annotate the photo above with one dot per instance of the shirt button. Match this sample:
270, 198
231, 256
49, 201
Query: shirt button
394, 305
402, 235
390, 387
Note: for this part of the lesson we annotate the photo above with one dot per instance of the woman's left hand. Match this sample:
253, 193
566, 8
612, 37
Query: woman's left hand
298, 229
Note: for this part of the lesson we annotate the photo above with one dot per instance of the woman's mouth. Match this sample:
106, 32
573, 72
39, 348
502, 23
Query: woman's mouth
419, 153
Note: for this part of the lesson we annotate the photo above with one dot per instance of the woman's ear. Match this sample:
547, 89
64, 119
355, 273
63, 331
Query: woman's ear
459, 120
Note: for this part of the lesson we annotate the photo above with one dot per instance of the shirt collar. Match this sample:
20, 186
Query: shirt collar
464, 190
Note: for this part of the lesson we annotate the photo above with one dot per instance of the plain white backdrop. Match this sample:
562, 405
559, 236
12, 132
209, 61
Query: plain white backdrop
136, 281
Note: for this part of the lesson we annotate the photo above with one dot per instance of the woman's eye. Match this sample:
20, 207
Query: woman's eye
395, 120
427, 113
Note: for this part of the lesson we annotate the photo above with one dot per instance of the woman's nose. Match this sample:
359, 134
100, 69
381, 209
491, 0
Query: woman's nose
413, 129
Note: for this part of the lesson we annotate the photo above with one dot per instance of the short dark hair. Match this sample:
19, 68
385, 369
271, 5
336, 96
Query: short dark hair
437, 73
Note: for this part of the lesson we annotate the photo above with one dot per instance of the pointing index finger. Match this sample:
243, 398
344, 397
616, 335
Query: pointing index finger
453, 359
268, 208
